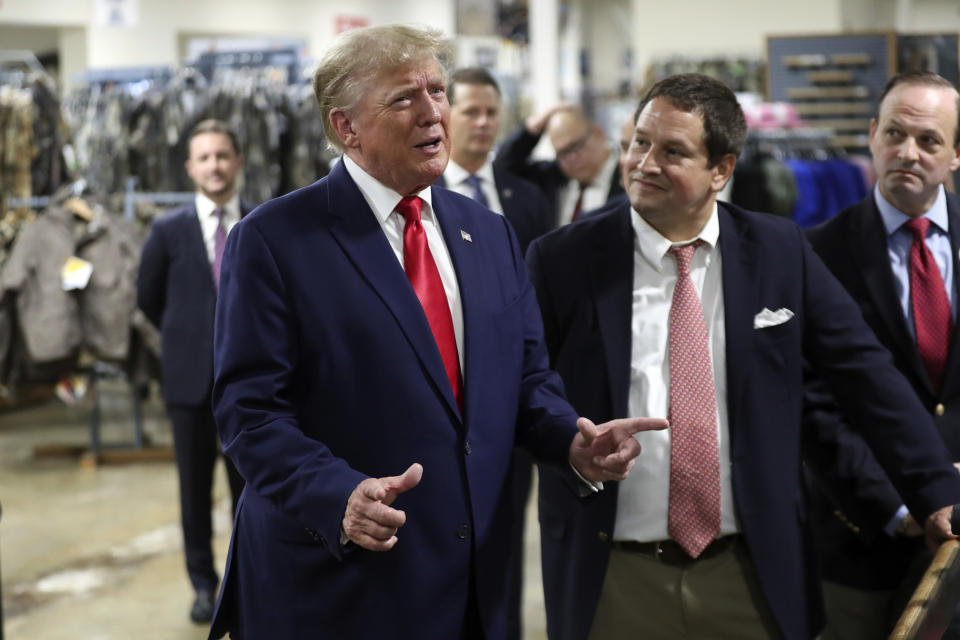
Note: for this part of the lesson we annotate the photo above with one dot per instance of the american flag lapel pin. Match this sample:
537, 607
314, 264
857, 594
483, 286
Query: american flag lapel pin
466, 236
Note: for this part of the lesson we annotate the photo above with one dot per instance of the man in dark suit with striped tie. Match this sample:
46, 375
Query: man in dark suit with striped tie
474, 97
177, 289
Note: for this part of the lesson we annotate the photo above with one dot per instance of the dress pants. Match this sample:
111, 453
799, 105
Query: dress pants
714, 598
519, 479
197, 448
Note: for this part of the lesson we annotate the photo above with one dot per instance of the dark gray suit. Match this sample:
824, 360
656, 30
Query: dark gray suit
176, 292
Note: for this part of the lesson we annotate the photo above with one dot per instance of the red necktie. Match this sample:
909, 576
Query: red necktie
219, 242
694, 508
422, 272
932, 317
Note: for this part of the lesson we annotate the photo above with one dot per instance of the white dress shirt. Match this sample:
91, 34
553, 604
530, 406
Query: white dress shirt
208, 222
456, 179
383, 200
594, 194
643, 498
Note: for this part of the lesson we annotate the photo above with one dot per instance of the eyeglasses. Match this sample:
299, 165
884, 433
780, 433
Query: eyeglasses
574, 147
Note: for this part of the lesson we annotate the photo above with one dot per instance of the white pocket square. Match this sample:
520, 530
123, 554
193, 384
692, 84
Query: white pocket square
767, 318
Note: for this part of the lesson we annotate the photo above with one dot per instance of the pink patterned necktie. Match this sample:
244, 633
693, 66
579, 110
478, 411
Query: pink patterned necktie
421, 270
219, 242
932, 317
694, 509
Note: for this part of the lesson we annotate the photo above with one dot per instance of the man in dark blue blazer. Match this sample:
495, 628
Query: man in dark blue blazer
474, 97
177, 290
378, 354
620, 563
868, 540
584, 174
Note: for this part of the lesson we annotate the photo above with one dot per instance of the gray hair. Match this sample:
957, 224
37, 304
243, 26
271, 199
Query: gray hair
358, 55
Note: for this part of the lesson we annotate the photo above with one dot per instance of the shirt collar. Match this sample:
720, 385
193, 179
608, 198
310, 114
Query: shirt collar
455, 174
205, 206
381, 198
653, 246
893, 218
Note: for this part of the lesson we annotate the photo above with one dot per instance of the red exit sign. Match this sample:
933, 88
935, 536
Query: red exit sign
345, 23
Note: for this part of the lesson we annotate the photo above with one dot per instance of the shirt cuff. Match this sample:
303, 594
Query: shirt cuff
891, 528
586, 487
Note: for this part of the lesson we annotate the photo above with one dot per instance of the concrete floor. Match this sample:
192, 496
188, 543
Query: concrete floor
96, 553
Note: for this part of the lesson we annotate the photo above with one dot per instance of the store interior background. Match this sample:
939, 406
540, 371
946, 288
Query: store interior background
91, 550
615, 40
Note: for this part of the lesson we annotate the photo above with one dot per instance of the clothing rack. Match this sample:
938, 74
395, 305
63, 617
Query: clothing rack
806, 142
126, 75
282, 64
33, 202
131, 198
99, 371
103, 371
139, 449
17, 65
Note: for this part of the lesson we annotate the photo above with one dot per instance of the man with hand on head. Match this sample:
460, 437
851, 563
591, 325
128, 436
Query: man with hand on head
896, 254
680, 306
583, 176
177, 290
379, 353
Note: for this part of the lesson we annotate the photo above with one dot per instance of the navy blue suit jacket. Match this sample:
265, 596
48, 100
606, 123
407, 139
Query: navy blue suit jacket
583, 274
523, 205
856, 552
326, 373
175, 291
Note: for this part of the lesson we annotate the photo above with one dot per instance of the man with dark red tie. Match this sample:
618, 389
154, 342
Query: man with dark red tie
177, 290
378, 355
680, 306
896, 253
584, 174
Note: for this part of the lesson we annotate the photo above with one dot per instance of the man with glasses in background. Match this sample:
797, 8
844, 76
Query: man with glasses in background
584, 174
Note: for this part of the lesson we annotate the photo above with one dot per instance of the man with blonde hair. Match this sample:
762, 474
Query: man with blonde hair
378, 354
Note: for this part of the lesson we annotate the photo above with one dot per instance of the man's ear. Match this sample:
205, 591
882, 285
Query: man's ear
343, 124
955, 160
723, 171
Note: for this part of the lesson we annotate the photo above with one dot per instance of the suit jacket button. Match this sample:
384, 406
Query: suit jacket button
603, 536
467, 448
939, 409
463, 531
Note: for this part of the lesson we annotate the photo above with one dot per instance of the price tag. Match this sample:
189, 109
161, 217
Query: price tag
75, 274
